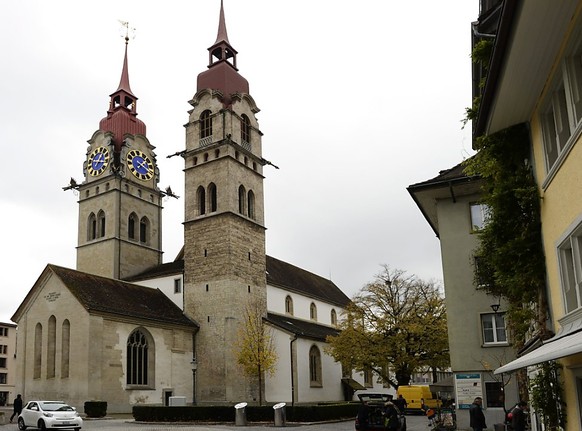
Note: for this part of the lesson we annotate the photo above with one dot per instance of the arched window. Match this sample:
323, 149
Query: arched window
289, 305
245, 130
140, 361
212, 199
242, 194
251, 204
333, 317
65, 348
101, 224
201, 195
131, 225
51, 347
315, 367
205, 124
144, 230
37, 351
313, 311
91, 227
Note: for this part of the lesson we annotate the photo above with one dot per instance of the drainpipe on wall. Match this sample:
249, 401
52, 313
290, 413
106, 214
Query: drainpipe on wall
292, 367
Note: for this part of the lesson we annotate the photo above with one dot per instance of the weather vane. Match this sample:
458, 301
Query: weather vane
126, 30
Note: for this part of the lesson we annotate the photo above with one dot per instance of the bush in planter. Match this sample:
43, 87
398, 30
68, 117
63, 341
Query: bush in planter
95, 409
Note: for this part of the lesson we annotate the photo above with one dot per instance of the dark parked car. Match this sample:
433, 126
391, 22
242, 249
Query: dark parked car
375, 412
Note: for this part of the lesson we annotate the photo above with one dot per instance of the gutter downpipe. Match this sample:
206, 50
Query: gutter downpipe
292, 367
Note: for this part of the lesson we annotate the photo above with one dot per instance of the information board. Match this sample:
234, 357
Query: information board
467, 387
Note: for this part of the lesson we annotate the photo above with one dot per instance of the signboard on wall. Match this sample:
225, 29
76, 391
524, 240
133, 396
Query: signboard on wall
468, 386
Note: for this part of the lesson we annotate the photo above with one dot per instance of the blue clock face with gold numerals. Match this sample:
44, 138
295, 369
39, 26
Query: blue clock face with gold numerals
140, 165
98, 161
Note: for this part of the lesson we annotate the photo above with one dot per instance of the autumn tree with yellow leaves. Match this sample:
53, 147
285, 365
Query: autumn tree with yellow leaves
395, 326
254, 350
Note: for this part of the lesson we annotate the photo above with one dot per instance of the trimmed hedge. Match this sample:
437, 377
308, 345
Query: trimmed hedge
298, 413
95, 409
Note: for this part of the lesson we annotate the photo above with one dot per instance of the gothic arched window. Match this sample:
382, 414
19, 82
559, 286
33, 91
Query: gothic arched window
37, 351
131, 225
51, 347
101, 224
251, 204
144, 230
201, 196
91, 227
333, 317
315, 367
245, 130
212, 198
139, 358
65, 348
313, 311
289, 305
242, 194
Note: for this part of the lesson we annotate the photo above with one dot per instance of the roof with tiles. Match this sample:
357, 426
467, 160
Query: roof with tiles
301, 328
107, 295
287, 276
279, 274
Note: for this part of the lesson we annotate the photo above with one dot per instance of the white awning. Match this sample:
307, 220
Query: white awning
553, 348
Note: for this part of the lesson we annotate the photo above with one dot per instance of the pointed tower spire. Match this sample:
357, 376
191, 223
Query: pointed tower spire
222, 73
124, 81
122, 114
222, 35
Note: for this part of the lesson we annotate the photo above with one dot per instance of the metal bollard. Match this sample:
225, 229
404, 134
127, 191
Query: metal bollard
279, 414
240, 418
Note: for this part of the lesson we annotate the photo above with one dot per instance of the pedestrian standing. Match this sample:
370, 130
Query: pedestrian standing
17, 407
476, 416
518, 418
401, 403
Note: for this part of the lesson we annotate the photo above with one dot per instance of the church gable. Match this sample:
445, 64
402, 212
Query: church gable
48, 296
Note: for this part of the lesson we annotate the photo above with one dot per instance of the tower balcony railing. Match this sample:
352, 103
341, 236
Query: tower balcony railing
246, 145
204, 142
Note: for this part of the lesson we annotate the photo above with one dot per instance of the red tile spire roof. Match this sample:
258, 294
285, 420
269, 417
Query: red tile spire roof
222, 73
122, 114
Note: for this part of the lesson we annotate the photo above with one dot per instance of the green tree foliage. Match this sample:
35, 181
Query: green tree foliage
255, 350
394, 326
480, 55
510, 255
547, 396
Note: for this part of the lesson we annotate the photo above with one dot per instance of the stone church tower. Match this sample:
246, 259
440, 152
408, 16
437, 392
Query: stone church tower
120, 205
224, 233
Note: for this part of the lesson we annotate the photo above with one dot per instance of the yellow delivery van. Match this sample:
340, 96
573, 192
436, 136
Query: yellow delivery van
414, 396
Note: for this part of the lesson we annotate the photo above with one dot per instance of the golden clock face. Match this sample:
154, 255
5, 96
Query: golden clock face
140, 165
98, 161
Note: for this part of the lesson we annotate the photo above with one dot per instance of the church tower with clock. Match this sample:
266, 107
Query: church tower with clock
120, 204
224, 232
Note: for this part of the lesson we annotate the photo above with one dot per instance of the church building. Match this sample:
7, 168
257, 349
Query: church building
127, 328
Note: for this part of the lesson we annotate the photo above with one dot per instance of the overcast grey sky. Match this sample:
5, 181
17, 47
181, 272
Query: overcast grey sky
358, 100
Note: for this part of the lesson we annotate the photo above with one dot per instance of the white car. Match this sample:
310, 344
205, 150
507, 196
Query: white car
49, 415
